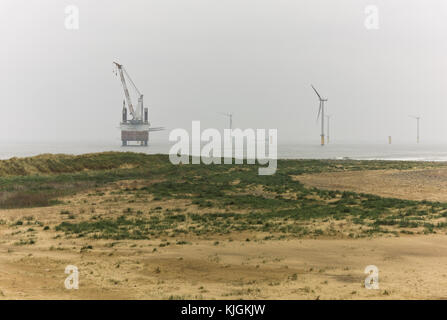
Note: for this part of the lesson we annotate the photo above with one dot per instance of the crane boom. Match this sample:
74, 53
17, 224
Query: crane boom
140, 96
126, 91
131, 81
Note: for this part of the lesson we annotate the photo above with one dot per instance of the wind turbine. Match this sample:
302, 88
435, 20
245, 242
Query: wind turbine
328, 117
320, 111
230, 116
417, 120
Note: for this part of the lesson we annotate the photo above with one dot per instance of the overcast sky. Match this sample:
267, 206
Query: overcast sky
254, 58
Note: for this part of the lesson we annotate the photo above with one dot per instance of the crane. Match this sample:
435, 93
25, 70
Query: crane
138, 128
136, 115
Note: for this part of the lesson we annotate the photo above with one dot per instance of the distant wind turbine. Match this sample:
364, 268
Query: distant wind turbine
418, 118
230, 116
320, 111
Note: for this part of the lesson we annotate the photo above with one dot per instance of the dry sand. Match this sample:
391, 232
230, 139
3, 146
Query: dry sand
418, 184
410, 267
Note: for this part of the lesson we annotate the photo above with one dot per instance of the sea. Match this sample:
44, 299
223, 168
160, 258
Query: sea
355, 151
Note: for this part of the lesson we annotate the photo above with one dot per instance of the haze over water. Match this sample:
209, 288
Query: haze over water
421, 152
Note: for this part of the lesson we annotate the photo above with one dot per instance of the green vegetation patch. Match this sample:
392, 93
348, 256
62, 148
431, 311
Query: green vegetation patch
245, 201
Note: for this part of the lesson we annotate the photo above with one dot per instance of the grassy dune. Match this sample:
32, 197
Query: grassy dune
213, 199
41, 180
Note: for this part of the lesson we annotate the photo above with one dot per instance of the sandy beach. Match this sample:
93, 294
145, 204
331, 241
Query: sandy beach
299, 238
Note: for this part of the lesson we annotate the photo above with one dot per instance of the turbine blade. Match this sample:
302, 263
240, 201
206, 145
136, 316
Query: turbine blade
319, 112
319, 97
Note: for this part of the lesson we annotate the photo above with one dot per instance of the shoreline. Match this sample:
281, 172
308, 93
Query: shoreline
375, 152
135, 149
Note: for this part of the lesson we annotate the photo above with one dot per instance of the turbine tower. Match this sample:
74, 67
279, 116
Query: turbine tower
328, 117
418, 118
320, 111
230, 116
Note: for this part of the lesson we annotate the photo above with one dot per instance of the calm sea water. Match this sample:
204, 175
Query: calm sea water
421, 152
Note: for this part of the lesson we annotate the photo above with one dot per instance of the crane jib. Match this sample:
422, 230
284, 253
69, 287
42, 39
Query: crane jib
126, 92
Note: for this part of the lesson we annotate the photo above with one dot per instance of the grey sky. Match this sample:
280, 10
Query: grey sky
255, 58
